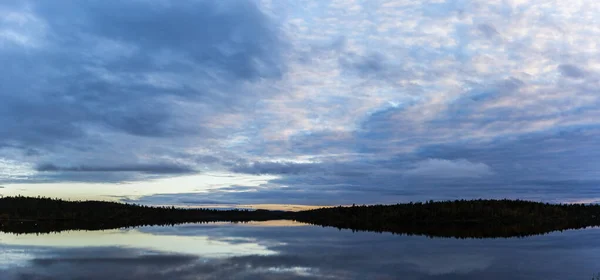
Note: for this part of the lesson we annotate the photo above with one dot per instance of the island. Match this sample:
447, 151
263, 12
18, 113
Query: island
482, 218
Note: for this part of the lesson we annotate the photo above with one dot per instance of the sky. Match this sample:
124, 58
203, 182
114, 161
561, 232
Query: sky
303, 102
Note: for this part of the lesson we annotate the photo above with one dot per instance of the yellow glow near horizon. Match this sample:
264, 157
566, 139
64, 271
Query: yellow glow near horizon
205, 246
201, 183
286, 207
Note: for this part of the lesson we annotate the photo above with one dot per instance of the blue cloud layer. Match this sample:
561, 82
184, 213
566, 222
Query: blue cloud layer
342, 101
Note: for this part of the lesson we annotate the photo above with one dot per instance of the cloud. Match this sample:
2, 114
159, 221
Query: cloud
536, 167
571, 71
459, 264
165, 260
106, 74
340, 102
240, 43
488, 30
277, 168
147, 168
443, 168
364, 65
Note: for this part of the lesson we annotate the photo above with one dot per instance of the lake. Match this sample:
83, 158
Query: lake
289, 250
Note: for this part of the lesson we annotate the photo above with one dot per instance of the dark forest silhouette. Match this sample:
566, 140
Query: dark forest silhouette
460, 218
44, 215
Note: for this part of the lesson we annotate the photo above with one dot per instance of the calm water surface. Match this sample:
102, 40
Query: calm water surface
286, 250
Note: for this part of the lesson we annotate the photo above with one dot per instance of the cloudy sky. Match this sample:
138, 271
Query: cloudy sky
300, 101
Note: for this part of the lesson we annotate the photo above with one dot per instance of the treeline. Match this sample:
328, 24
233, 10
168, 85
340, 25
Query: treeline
43, 215
460, 218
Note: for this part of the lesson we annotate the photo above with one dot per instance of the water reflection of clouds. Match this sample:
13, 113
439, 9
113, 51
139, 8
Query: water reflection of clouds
14, 256
316, 253
382, 255
133, 238
450, 263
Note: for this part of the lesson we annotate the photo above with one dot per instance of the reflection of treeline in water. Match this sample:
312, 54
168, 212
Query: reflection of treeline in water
462, 218
42, 215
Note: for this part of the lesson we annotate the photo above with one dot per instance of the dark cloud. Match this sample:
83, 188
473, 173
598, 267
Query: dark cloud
240, 40
537, 167
145, 168
558, 183
488, 30
571, 71
163, 260
364, 65
443, 168
207, 159
240, 45
190, 199
509, 85
279, 168
134, 69
542, 156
